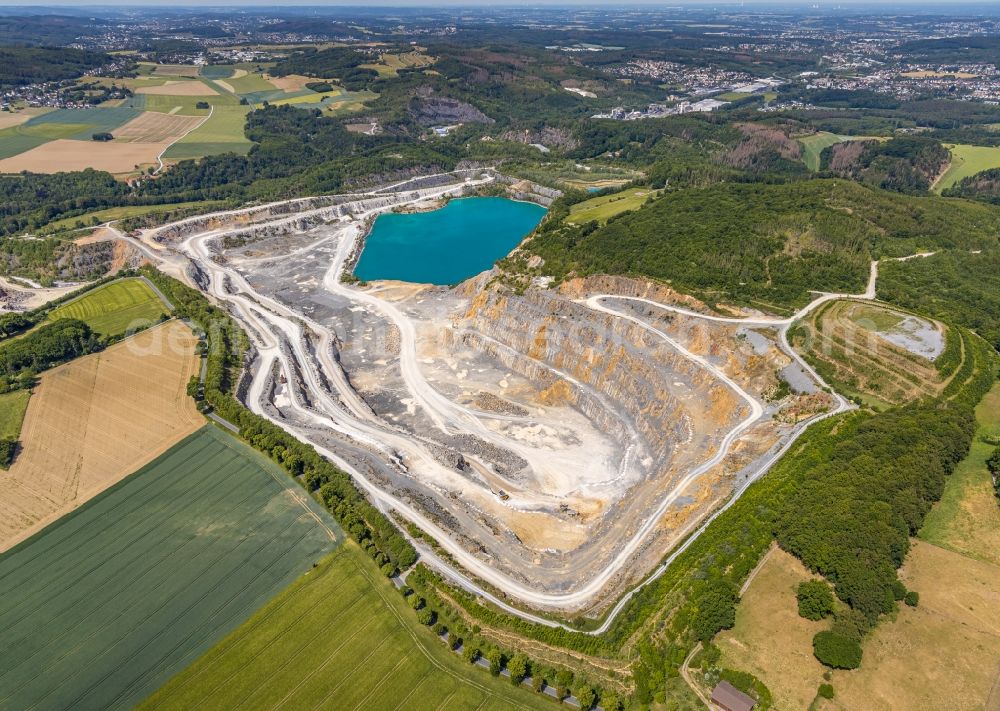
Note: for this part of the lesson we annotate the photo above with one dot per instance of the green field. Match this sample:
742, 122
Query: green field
115, 308
79, 124
968, 160
222, 133
182, 105
965, 520
12, 407
101, 608
339, 638
14, 142
251, 83
308, 97
812, 147
602, 208
217, 71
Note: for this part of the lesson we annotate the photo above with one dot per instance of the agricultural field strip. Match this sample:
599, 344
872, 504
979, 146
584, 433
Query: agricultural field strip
209, 567
72, 608
100, 309
967, 160
256, 666
303, 617
192, 129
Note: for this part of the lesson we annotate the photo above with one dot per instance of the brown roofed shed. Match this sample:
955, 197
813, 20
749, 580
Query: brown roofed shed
729, 698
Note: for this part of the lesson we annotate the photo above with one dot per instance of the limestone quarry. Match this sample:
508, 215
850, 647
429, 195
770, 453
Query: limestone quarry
555, 442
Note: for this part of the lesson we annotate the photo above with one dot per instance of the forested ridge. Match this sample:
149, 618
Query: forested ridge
32, 65
760, 242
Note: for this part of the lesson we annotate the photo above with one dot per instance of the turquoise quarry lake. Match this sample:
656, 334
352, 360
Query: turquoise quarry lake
445, 246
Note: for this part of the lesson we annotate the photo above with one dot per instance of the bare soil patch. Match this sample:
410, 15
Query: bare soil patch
152, 127
65, 155
292, 82
179, 88
95, 420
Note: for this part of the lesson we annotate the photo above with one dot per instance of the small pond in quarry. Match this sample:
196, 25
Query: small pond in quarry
448, 245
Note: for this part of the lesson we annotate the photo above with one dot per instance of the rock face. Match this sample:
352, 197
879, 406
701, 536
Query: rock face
433, 110
603, 366
546, 136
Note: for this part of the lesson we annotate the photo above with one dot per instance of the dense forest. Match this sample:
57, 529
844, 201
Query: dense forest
984, 186
49, 345
961, 286
761, 242
30, 65
906, 164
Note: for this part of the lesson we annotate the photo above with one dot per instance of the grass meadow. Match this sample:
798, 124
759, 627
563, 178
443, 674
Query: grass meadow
341, 637
601, 209
222, 133
966, 161
929, 656
115, 308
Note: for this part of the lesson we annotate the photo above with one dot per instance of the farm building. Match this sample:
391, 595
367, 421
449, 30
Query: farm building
727, 697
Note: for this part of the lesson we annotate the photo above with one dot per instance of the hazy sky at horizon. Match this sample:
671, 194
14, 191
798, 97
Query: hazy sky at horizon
821, 4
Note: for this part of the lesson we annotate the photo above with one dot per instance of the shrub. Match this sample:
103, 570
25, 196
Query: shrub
709, 656
826, 691
610, 702
518, 668
912, 598
495, 657
815, 599
416, 602
564, 679
836, 651
470, 653
586, 696
7, 449
426, 616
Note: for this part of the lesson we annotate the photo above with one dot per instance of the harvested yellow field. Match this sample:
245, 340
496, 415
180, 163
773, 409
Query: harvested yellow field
175, 70
292, 82
8, 118
95, 420
943, 654
152, 127
770, 640
64, 155
179, 88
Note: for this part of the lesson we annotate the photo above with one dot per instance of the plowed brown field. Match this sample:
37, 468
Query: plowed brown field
95, 420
